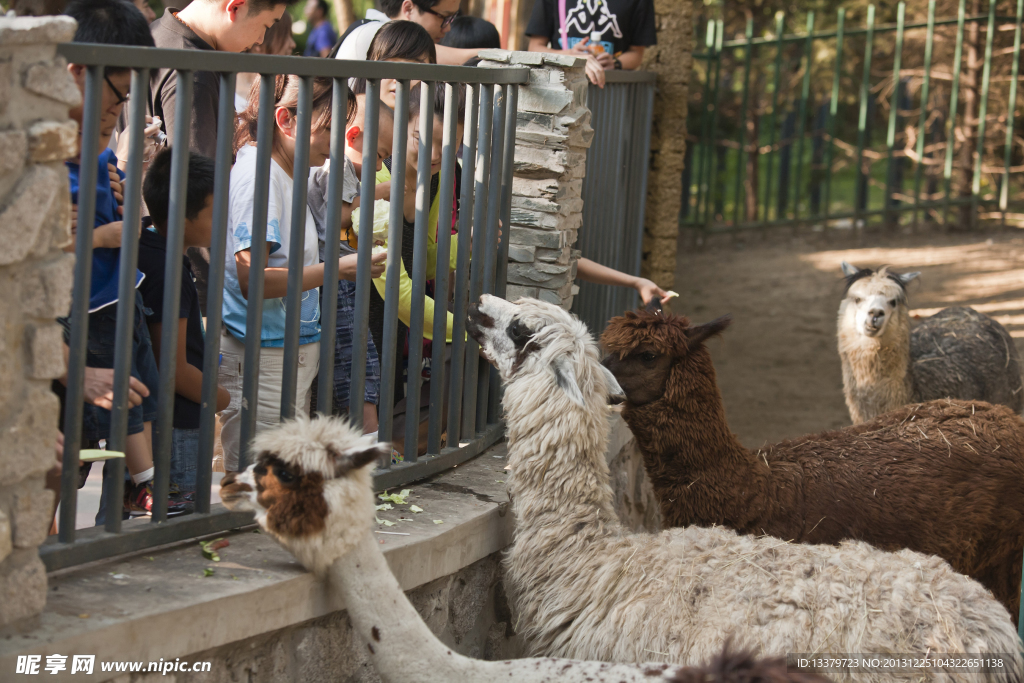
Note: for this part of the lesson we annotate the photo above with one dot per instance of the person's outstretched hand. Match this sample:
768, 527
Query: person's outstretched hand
347, 266
99, 388
648, 290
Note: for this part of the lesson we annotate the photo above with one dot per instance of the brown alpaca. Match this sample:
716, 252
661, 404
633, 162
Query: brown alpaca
943, 477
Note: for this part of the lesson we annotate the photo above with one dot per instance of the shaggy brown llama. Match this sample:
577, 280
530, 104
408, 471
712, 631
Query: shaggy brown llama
943, 477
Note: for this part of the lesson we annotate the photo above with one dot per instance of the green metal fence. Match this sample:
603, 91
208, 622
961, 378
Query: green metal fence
897, 125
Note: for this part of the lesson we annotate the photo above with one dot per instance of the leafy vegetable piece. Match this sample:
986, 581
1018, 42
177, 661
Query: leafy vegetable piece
438, 521
396, 498
208, 571
385, 506
385, 522
415, 508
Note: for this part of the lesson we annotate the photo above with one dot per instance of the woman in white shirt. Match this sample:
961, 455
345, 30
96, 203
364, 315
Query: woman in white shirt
279, 230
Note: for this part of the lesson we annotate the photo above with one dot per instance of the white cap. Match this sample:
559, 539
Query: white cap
595, 36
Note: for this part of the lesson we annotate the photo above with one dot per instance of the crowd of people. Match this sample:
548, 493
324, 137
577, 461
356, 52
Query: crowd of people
421, 31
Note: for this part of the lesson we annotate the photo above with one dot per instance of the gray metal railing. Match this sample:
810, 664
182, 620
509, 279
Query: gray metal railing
615, 190
486, 199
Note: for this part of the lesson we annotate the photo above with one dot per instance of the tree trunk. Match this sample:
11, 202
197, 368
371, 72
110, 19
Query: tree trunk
971, 96
344, 13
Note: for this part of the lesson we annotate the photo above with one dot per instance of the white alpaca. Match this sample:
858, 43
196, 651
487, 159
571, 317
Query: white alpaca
583, 586
956, 353
311, 490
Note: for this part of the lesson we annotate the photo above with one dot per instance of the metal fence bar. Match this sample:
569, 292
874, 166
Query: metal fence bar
923, 119
983, 112
833, 111
215, 290
361, 310
442, 271
862, 189
126, 301
894, 106
296, 247
257, 264
741, 161
780, 24
709, 210
483, 158
164, 428
501, 276
388, 363
1004, 190
882, 28
805, 91
120, 56
459, 341
78, 337
954, 96
332, 251
490, 252
705, 113
419, 271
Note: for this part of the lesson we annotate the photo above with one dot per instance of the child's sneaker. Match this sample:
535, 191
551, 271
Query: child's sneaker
138, 501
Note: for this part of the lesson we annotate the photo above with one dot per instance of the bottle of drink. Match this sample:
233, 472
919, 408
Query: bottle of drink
594, 45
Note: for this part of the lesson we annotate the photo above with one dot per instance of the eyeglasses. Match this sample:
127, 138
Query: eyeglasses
446, 21
121, 99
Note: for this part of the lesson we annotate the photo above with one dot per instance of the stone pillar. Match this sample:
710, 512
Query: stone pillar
671, 60
35, 277
552, 136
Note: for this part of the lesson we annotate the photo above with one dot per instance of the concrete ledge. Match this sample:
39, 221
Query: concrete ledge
158, 604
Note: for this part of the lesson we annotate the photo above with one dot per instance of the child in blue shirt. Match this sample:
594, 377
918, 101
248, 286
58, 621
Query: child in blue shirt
120, 23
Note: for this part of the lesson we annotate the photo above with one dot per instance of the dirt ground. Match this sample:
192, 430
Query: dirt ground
778, 367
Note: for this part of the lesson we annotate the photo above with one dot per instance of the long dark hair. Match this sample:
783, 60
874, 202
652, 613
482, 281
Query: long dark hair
402, 40
286, 94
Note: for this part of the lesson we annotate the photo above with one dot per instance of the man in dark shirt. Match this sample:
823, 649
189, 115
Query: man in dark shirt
224, 25
611, 34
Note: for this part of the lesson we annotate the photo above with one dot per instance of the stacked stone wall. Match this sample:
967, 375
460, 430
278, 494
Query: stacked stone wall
553, 134
36, 137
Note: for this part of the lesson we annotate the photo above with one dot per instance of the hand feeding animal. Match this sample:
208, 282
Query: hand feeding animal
311, 490
956, 353
582, 586
940, 478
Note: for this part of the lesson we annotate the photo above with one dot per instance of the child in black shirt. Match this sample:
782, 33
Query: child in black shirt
188, 380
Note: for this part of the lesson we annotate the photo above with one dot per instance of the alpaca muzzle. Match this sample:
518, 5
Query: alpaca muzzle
477, 322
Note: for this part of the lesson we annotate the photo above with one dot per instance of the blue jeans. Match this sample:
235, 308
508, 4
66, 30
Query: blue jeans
100, 354
343, 353
184, 459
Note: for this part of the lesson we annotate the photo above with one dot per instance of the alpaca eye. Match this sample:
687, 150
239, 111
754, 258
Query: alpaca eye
647, 356
284, 476
857, 300
519, 333
892, 302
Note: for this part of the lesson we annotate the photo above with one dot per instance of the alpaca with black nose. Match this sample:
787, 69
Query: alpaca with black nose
956, 353
311, 490
581, 585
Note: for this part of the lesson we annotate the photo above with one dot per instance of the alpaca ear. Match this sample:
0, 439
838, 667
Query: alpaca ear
565, 376
698, 334
906, 278
849, 269
357, 458
615, 393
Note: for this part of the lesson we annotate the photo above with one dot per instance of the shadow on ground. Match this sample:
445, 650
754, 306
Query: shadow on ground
777, 365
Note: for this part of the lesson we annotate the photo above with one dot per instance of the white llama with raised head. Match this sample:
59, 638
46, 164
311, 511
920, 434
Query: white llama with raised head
311, 490
583, 586
956, 353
